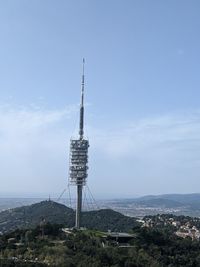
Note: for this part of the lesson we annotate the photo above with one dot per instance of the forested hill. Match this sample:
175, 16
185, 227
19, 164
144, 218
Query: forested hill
107, 219
32, 215
49, 211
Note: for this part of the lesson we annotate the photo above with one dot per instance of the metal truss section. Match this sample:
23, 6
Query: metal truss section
78, 161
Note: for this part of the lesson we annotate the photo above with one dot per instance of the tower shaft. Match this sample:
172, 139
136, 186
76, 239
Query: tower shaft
78, 206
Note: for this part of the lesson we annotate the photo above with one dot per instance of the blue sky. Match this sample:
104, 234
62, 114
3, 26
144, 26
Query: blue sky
142, 94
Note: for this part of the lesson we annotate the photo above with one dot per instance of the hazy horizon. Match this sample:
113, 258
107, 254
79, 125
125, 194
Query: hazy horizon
55, 197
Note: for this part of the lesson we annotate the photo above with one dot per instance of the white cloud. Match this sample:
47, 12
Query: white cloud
157, 151
159, 154
23, 120
157, 133
32, 144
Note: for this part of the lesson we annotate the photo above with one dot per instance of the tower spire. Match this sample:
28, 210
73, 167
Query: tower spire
81, 127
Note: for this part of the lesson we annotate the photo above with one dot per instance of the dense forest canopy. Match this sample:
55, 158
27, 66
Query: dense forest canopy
48, 245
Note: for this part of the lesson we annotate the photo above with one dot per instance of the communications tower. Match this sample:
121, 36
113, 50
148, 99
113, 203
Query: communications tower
79, 158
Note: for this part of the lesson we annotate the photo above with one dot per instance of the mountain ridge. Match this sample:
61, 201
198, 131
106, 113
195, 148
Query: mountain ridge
53, 212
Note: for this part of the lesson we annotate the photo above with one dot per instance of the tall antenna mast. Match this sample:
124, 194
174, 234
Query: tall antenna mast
81, 131
79, 158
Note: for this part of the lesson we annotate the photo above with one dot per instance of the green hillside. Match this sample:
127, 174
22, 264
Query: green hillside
49, 211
